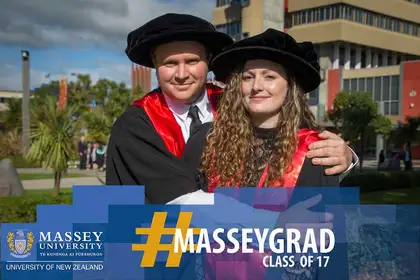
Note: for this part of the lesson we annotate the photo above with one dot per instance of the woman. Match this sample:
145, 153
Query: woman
263, 129
100, 156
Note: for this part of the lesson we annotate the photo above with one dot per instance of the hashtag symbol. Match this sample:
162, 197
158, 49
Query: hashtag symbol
154, 235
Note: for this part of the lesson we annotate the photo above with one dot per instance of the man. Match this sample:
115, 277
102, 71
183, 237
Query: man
82, 148
147, 140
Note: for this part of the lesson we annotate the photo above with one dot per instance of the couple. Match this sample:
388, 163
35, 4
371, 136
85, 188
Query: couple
187, 137
261, 117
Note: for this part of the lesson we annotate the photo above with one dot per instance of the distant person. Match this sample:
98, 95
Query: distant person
94, 155
381, 158
407, 159
100, 156
82, 149
89, 156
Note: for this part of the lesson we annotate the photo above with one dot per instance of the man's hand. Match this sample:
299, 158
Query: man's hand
332, 151
299, 217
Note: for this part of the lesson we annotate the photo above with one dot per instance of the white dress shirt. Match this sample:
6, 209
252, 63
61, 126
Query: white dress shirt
180, 112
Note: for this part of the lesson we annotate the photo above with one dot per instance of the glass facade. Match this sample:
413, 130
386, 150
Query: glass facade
351, 13
232, 29
220, 3
313, 97
383, 89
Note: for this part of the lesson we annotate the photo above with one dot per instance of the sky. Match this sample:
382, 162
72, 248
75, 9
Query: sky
77, 36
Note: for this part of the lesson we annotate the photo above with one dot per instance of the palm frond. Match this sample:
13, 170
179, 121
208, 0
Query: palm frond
51, 135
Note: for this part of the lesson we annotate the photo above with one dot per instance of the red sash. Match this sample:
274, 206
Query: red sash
306, 137
163, 120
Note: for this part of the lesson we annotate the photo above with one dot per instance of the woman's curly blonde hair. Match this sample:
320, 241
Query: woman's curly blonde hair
230, 141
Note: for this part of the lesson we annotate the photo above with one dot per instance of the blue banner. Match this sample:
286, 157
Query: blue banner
303, 233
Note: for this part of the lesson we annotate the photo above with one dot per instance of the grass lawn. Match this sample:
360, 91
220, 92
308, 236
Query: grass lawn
402, 196
39, 176
47, 192
23, 209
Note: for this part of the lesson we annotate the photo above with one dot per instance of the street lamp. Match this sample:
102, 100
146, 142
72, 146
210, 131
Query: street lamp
25, 55
25, 101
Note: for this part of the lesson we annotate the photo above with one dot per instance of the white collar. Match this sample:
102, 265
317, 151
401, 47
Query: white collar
181, 110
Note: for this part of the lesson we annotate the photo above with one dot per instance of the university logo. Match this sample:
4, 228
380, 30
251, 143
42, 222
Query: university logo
20, 243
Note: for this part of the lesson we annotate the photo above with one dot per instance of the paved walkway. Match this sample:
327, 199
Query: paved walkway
65, 183
49, 171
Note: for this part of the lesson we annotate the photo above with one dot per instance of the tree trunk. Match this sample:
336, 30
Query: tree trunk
362, 150
57, 181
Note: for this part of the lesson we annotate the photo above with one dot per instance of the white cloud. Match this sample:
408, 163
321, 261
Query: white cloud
40, 23
11, 77
103, 23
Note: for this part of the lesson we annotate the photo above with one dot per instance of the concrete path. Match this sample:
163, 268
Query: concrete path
65, 183
49, 171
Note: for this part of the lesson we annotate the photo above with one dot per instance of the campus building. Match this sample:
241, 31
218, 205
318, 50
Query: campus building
371, 46
141, 77
6, 94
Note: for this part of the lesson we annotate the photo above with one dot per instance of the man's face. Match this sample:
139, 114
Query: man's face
181, 70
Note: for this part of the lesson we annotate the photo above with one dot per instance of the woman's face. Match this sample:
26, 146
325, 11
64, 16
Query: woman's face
264, 87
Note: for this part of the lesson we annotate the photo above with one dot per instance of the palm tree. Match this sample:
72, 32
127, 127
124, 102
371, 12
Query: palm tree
98, 125
51, 134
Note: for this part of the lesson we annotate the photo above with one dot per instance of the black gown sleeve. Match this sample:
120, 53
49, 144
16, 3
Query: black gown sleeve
136, 155
314, 176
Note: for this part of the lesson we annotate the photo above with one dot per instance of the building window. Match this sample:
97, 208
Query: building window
220, 3
362, 84
353, 85
377, 89
383, 89
342, 57
395, 88
369, 85
232, 29
327, 13
363, 57
352, 13
394, 110
313, 97
346, 85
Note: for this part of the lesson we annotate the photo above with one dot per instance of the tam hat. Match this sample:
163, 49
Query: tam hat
171, 28
310, 55
298, 59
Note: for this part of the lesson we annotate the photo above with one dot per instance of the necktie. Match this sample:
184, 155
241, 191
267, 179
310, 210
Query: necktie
195, 119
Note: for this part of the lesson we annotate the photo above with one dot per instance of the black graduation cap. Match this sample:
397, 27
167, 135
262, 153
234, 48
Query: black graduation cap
299, 59
170, 28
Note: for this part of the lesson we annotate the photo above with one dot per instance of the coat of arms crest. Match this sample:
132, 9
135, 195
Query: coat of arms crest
20, 243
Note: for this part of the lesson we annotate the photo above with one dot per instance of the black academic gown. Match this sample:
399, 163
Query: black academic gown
146, 147
137, 155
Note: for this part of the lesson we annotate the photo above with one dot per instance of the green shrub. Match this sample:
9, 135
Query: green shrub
370, 181
23, 209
